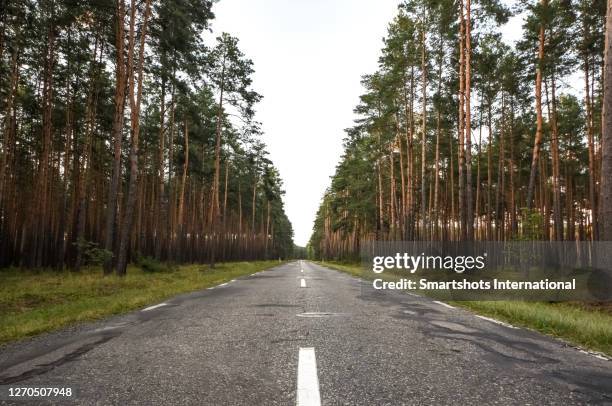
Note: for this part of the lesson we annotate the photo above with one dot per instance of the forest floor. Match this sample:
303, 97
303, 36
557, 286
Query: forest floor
582, 324
33, 302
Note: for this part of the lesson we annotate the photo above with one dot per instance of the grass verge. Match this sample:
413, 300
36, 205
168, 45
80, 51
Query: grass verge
580, 324
32, 302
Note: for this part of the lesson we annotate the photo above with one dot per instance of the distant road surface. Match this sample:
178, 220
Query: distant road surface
304, 334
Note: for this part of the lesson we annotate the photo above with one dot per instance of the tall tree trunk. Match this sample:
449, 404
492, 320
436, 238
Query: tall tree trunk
183, 180
408, 112
461, 126
7, 239
451, 169
171, 199
556, 165
423, 131
214, 211
70, 143
436, 198
402, 180
86, 163
605, 208
225, 189
135, 101
240, 212
490, 173
42, 213
469, 199
254, 206
7, 142
181, 202
539, 121
267, 230
161, 215
513, 217
391, 195
478, 194
380, 199
499, 194
591, 144
116, 134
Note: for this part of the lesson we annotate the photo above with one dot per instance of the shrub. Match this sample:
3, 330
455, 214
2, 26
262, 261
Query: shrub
532, 225
151, 265
92, 253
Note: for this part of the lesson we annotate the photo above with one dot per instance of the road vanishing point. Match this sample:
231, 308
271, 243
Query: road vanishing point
302, 334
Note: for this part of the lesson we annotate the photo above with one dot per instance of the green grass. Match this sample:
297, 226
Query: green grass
32, 302
584, 325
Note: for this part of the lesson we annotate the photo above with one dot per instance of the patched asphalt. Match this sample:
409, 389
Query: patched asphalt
238, 344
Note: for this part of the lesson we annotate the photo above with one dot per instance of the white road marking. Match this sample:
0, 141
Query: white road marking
301, 270
444, 304
318, 314
594, 354
111, 327
501, 323
303, 283
307, 381
146, 309
223, 284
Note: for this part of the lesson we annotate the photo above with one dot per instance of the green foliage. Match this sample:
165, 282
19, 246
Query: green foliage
300, 252
93, 254
151, 265
393, 159
532, 222
70, 48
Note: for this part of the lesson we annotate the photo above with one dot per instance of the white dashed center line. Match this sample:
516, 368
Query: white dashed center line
146, 309
303, 283
307, 381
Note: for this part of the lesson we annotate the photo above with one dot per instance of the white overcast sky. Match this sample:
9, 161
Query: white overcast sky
309, 56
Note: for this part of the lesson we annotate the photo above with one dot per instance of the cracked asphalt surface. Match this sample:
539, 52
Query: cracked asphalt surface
238, 345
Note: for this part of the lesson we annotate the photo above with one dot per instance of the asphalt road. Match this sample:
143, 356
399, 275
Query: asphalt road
271, 339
